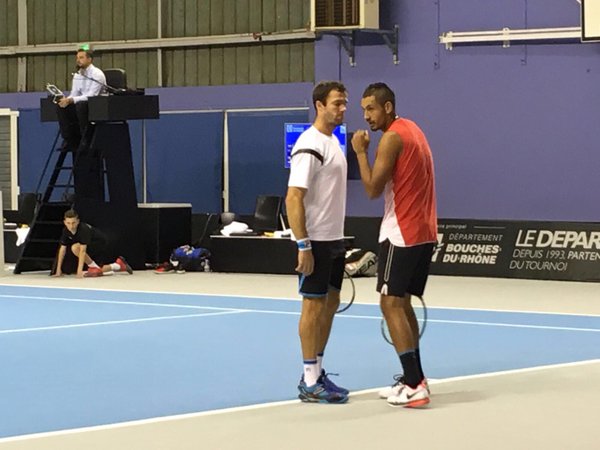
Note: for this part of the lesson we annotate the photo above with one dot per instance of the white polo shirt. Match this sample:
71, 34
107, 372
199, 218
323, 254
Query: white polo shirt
318, 165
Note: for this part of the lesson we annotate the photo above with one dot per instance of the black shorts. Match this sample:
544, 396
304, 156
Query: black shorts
70, 262
403, 270
328, 272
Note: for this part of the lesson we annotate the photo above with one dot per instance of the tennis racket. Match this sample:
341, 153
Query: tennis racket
348, 293
420, 310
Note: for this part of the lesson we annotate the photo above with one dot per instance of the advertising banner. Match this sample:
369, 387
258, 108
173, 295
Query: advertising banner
511, 249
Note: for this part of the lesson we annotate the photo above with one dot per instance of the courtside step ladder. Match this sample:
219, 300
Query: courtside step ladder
41, 244
61, 177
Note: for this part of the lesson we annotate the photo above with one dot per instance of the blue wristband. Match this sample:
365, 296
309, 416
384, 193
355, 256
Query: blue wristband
303, 244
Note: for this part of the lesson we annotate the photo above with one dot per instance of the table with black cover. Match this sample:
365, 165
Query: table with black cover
255, 254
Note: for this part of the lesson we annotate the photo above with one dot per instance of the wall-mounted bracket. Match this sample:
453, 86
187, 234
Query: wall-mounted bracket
348, 39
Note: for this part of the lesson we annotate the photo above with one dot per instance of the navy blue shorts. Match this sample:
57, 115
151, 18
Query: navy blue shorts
403, 270
328, 272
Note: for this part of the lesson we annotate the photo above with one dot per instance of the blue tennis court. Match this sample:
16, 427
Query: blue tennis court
76, 358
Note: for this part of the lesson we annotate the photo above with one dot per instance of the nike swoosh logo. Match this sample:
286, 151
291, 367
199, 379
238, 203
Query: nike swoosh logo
410, 396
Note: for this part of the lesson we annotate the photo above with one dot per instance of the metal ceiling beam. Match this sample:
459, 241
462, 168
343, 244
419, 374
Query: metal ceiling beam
162, 43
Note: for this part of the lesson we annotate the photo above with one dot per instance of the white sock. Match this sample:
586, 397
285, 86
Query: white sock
115, 267
94, 265
311, 375
319, 362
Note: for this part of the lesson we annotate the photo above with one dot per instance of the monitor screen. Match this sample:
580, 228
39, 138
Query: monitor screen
267, 212
293, 132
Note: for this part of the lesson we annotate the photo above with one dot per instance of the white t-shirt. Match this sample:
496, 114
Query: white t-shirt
318, 164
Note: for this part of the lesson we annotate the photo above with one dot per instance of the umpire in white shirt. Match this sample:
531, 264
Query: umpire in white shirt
88, 81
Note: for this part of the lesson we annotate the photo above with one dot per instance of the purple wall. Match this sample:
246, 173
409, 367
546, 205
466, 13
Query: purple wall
29, 100
233, 97
514, 131
202, 97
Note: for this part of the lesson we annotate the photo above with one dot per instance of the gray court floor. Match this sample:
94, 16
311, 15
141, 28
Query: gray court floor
555, 407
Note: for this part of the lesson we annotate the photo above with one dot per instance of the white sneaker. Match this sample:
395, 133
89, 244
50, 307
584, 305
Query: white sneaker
409, 397
395, 388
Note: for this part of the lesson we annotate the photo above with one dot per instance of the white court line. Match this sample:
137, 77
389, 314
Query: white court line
116, 302
347, 316
495, 374
135, 423
515, 325
293, 299
116, 322
459, 322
